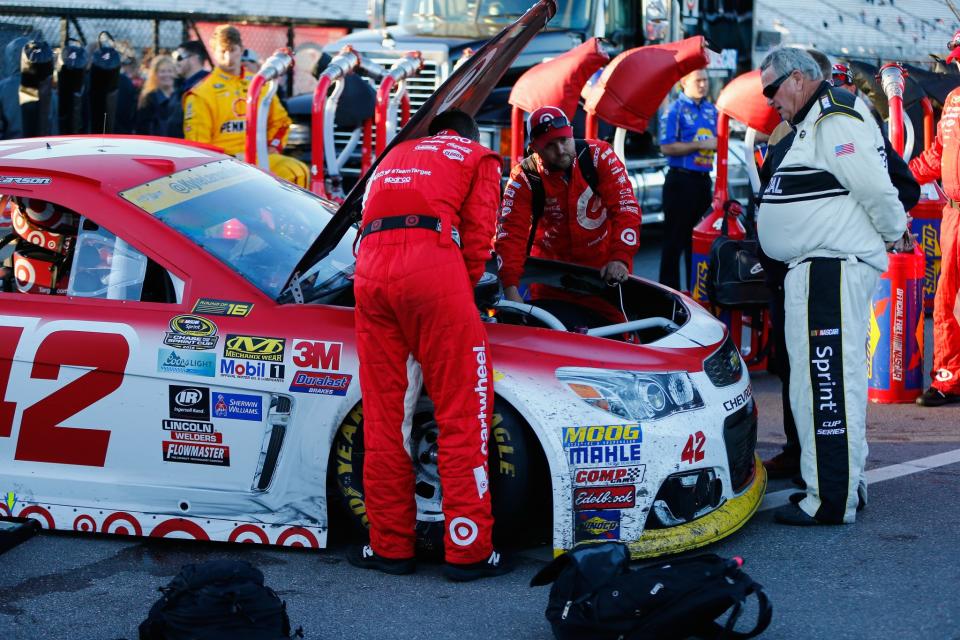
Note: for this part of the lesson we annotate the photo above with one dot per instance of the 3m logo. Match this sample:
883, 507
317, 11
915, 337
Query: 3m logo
313, 354
254, 348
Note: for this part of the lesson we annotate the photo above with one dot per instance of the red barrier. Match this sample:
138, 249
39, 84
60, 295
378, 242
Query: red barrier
927, 122
891, 77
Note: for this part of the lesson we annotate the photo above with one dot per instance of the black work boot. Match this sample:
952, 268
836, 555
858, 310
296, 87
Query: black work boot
493, 566
933, 397
365, 558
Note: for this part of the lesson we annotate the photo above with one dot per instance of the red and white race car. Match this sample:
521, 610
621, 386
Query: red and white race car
153, 384
177, 359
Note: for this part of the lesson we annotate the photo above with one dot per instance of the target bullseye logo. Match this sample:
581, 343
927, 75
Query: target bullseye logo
629, 237
463, 531
25, 274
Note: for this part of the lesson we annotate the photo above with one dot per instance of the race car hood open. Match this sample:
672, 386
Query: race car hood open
466, 89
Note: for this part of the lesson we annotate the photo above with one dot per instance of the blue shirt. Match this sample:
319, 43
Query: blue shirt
686, 121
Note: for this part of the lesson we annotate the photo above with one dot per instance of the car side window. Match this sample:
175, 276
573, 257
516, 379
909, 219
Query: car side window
105, 266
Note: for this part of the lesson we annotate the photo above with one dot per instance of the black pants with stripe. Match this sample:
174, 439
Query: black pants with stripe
827, 315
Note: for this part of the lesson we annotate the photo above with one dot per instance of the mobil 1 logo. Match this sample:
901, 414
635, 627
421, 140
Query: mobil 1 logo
190, 402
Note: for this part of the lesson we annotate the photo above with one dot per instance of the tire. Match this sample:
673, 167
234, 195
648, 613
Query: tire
510, 474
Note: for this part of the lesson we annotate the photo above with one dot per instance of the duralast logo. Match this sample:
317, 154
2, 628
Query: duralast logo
254, 348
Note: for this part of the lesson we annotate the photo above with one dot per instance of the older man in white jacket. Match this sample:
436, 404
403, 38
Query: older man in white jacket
829, 212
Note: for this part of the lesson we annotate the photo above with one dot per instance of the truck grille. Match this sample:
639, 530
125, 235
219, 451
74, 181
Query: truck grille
740, 438
419, 88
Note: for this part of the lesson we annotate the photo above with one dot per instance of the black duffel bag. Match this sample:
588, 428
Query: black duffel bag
735, 277
596, 596
217, 600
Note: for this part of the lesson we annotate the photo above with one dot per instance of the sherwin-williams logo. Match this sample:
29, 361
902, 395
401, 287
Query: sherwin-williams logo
254, 348
194, 364
236, 406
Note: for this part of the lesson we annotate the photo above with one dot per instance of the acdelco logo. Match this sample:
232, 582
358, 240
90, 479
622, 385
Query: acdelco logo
188, 397
254, 348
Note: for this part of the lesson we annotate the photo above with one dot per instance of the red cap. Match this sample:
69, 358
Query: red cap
954, 46
546, 124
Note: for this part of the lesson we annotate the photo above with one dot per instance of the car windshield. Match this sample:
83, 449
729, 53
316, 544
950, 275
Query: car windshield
430, 16
256, 224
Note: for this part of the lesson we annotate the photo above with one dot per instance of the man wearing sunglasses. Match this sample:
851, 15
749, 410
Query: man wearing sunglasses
830, 212
593, 226
188, 59
942, 160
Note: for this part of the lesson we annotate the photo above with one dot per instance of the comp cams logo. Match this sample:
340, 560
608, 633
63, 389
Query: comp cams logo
254, 348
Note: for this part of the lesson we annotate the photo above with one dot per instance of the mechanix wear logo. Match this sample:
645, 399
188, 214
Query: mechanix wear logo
254, 348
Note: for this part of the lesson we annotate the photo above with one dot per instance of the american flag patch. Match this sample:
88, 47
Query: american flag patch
845, 149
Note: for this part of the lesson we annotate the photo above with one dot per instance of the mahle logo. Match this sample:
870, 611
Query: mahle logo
254, 348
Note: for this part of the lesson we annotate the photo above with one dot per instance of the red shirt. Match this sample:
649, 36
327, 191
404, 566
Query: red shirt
578, 225
942, 159
445, 176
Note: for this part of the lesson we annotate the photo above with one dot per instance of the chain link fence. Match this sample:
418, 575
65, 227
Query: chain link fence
139, 35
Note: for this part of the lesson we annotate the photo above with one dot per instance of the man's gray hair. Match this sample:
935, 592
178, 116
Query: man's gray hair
788, 59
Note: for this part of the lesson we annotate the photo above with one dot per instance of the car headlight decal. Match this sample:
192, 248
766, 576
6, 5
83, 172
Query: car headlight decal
633, 395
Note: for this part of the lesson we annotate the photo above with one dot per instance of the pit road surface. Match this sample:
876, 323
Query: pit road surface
893, 574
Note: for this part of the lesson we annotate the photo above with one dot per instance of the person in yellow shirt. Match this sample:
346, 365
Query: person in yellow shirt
215, 109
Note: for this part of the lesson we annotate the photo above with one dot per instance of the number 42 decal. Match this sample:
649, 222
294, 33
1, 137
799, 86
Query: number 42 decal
693, 450
43, 438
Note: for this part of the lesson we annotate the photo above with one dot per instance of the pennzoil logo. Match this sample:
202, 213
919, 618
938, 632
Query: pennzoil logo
254, 348
191, 332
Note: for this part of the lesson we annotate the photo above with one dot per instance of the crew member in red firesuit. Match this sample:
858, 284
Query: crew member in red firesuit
429, 215
600, 230
942, 160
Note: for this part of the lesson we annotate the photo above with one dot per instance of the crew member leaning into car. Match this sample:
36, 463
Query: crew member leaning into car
429, 213
600, 230
215, 109
829, 212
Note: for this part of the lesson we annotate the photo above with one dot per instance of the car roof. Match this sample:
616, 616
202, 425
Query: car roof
116, 162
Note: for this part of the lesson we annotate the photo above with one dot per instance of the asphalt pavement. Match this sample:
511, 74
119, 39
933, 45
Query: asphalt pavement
893, 574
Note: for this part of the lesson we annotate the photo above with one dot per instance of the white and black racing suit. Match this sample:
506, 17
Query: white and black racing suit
826, 212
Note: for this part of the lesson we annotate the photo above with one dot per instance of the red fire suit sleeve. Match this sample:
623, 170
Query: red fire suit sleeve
926, 166
618, 198
513, 227
478, 216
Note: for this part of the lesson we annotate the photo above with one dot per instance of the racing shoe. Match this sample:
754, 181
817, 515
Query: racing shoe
793, 515
933, 397
796, 498
363, 556
493, 566
783, 465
